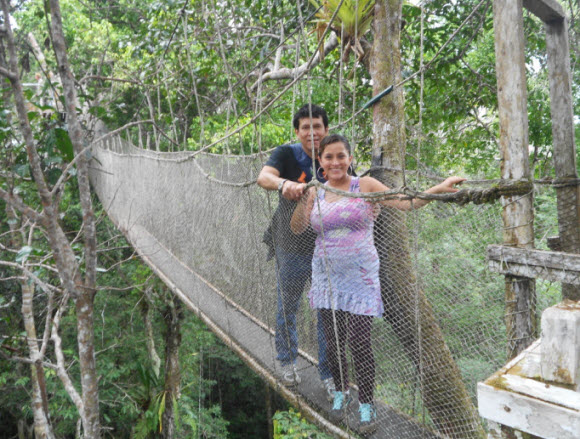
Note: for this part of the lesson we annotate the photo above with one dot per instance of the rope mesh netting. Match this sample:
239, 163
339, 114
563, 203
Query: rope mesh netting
443, 327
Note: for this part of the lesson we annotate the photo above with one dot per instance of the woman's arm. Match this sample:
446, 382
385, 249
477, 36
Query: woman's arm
369, 184
301, 217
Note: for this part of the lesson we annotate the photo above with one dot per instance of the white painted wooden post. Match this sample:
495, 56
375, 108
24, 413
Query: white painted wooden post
561, 344
517, 213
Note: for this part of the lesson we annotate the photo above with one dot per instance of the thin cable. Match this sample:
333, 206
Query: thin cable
417, 227
353, 129
428, 65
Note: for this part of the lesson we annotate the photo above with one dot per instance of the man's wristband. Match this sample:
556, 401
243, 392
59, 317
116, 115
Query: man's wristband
281, 185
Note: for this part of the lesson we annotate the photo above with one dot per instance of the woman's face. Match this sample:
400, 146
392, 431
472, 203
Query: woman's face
335, 160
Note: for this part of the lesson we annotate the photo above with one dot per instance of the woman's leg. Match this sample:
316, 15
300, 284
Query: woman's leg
336, 345
359, 330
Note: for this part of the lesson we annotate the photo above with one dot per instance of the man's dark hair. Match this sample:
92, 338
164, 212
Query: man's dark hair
334, 138
305, 111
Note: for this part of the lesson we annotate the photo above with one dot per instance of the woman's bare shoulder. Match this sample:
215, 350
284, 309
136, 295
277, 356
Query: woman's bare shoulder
370, 184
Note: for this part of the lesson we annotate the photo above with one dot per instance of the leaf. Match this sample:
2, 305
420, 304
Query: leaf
99, 112
161, 410
64, 144
52, 175
22, 170
23, 253
33, 115
177, 419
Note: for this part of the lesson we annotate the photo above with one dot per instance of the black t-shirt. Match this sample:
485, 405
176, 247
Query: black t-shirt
295, 165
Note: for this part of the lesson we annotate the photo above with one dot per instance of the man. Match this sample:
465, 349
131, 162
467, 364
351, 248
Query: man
288, 170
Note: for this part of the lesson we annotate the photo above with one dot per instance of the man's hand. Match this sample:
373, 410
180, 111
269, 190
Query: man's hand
293, 190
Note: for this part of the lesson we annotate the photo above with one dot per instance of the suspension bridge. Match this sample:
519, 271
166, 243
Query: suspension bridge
198, 220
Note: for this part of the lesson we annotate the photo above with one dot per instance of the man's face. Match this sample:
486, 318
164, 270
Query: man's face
309, 131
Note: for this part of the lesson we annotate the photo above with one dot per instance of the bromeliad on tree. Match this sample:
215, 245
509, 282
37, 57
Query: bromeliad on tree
352, 22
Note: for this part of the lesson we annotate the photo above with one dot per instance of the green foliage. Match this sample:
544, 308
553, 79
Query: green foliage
248, 141
292, 425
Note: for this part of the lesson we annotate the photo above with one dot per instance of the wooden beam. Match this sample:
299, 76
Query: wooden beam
567, 398
517, 214
527, 414
546, 10
557, 47
530, 263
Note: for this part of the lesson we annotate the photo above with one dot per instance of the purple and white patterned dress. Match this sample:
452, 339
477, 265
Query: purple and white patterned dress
345, 265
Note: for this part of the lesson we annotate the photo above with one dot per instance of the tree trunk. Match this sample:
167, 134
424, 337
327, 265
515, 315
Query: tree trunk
81, 290
444, 393
84, 306
149, 333
42, 429
84, 293
39, 400
173, 315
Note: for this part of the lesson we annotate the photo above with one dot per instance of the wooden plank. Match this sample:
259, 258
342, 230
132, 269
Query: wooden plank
530, 365
527, 256
517, 215
546, 10
545, 392
527, 414
558, 50
535, 264
534, 272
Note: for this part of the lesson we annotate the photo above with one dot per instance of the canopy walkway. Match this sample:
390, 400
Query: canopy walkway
198, 220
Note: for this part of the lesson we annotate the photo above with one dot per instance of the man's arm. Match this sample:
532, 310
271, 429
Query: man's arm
269, 179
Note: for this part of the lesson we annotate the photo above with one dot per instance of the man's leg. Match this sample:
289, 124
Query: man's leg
323, 363
293, 272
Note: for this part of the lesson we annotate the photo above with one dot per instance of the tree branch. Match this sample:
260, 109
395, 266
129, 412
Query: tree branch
61, 367
11, 76
288, 73
16, 202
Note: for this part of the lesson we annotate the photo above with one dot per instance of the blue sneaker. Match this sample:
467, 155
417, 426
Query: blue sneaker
339, 405
368, 418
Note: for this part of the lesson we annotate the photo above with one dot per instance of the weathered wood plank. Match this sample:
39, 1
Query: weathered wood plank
546, 10
527, 414
558, 50
535, 264
541, 258
529, 365
534, 272
546, 392
517, 214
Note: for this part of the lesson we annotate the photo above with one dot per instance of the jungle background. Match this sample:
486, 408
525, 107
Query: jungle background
183, 74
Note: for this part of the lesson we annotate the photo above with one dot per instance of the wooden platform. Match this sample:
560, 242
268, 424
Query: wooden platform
538, 391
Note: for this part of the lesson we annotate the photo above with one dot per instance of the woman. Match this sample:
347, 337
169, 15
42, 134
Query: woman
345, 269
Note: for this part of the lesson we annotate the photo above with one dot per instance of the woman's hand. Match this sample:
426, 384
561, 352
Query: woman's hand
448, 186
